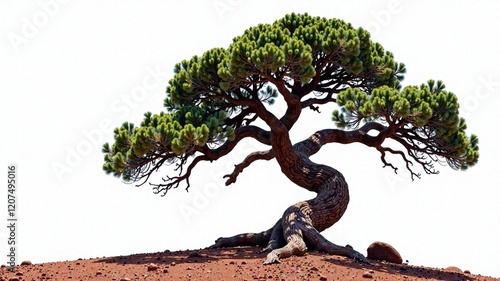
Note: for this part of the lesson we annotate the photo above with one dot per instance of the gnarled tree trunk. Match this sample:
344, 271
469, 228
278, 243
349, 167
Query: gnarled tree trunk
300, 226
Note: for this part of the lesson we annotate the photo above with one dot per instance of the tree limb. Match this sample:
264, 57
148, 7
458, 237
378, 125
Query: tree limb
174, 182
383, 151
254, 156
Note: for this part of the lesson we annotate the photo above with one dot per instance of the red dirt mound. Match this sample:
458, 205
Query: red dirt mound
244, 263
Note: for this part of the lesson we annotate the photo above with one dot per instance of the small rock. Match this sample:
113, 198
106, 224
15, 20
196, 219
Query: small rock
323, 278
26, 263
173, 263
243, 262
165, 270
125, 279
349, 246
383, 252
467, 271
98, 273
453, 269
189, 268
231, 262
314, 268
152, 267
13, 279
367, 274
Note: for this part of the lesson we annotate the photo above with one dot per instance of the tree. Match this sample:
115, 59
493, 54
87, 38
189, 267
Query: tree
218, 99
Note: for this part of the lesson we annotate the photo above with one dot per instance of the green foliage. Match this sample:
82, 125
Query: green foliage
163, 135
295, 47
427, 117
309, 59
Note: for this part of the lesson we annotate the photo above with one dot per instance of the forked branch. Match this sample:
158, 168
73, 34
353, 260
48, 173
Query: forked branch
174, 182
408, 163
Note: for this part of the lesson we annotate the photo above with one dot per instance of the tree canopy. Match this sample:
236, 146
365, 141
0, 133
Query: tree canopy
214, 101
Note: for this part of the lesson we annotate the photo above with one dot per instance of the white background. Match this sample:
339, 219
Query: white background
71, 71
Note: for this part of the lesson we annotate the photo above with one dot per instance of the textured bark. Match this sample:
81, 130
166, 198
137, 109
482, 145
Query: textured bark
300, 226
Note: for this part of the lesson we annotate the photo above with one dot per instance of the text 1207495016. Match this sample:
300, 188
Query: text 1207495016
11, 215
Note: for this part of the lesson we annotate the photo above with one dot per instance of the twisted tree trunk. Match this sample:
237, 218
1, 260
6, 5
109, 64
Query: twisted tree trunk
300, 226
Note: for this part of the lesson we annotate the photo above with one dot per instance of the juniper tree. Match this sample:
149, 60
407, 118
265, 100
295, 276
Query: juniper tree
216, 100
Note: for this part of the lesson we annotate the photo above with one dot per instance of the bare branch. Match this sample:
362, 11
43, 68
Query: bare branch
259, 155
314, 108
421, 151
174, 182
409, 163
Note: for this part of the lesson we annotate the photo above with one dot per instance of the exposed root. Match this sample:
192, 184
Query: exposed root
296, 246
244, 239
313, 237
276, 240
296, 227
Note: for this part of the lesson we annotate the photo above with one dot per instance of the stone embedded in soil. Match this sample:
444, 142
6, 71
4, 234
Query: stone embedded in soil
152, 267
26, 263
383, 252
367, 274
453, 269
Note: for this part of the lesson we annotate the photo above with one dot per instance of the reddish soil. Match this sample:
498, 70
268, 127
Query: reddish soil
243, 263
